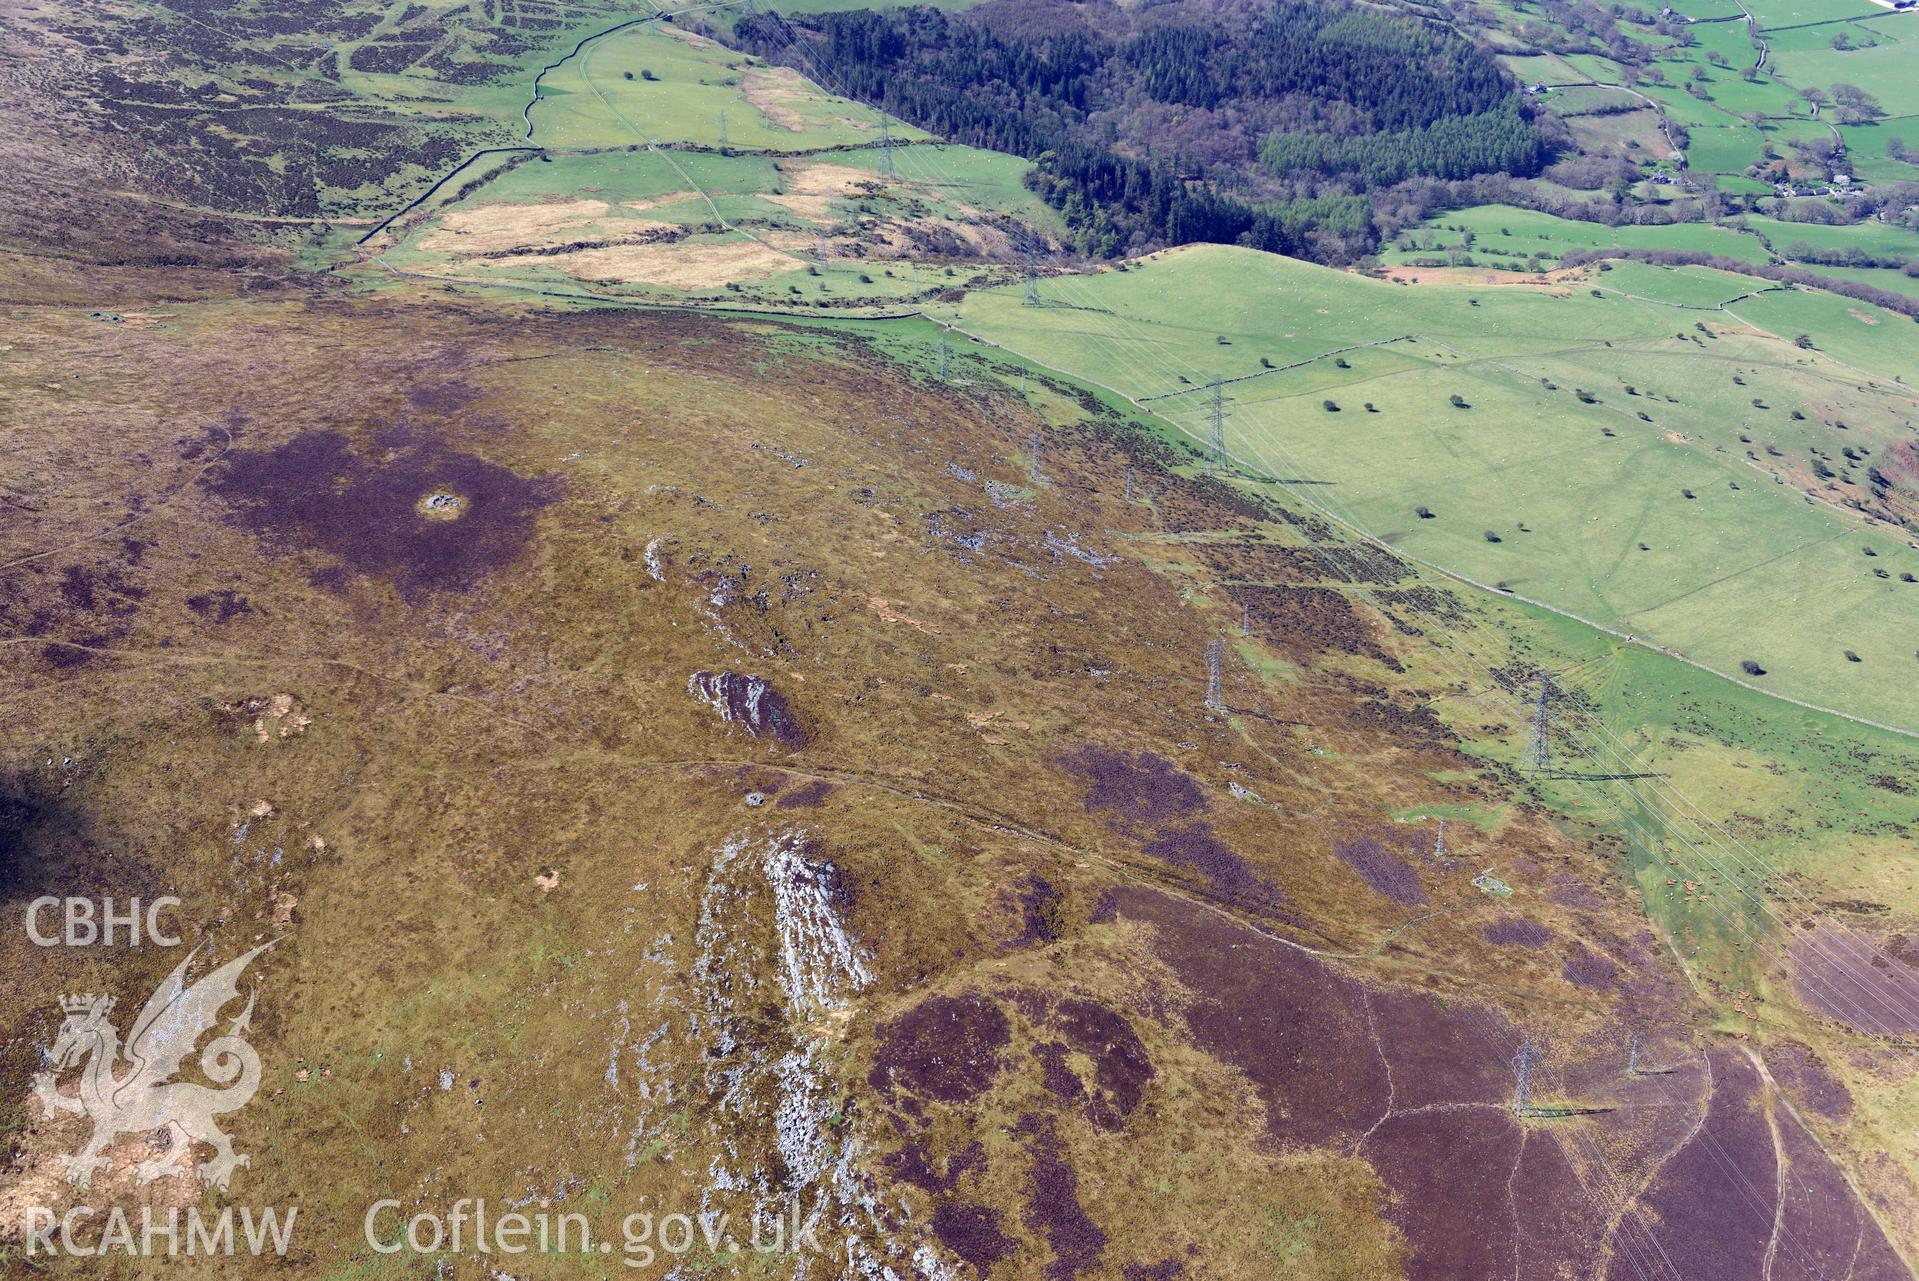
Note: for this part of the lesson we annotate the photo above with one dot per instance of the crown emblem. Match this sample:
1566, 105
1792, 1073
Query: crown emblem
84, 1004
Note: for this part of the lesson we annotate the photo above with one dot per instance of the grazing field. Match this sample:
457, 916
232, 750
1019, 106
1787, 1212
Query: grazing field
658, 82
1500, 233
1879, 58
1586, 463
1876, 239
1694, 288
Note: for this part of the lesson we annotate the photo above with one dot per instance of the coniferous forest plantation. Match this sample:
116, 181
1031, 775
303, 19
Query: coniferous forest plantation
1269, 127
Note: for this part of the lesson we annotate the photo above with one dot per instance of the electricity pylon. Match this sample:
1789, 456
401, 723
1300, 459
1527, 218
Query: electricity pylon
1216, 429
1539, 750
1523, 1063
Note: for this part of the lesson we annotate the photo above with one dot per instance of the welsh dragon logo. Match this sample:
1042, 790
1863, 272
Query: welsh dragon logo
136, 1093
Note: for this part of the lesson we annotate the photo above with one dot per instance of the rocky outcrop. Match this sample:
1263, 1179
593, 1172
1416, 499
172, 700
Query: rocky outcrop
750, 702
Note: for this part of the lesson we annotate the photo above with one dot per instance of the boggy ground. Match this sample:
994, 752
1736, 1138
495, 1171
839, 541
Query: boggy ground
692, 765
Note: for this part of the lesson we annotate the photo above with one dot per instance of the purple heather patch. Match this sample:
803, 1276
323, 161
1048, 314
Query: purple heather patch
1713, 1202
1121, 1067
812, 794
945, 1048
1143, 788
1807, 1079
1382, 869
1824, 1231
1229, 875
1165, 1270
317, 492
1038, 901
1516, 932
1588, 969
1055, 1075
1053, 1208
972, 1232
1295, 1027
221, 606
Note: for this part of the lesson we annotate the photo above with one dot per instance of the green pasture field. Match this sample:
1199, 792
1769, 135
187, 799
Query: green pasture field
1730, 40
1724, 141
1724, 148
1698, 288
1730, 92
1570, 102
1866, 148
1543, 68
1876, 238
840, 6
1746, 567
680, 85
1506, 227
729, 200
1872, 340
770, 234
1773, 14
1614, 133
965, 177
1886, 278
1883, 69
